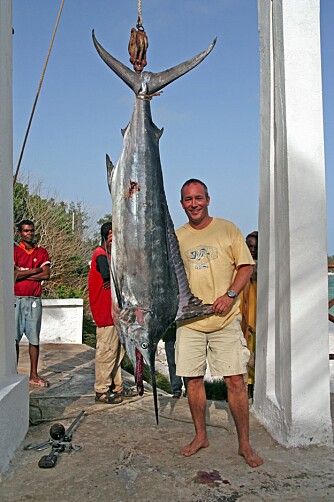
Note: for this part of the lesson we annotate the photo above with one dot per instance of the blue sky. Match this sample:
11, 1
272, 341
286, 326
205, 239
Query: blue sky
210, 116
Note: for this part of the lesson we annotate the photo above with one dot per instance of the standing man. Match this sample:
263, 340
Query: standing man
109, 350
218, 265
248, 301
32, 266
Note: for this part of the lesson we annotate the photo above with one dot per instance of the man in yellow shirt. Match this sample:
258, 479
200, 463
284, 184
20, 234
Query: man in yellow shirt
248, 307
218, 265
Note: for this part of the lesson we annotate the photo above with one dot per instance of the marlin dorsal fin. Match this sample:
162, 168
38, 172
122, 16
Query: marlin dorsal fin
110, 168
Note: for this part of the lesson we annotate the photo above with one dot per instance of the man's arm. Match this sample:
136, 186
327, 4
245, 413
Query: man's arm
223, 303
26, 274
42, 275
103, 268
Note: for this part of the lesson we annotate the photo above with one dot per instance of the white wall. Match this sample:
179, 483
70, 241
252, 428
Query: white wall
61, 321
292, 397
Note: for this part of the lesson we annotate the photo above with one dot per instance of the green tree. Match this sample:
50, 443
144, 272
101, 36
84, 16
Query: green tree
105, 219
63, 230
21, 194
96, 240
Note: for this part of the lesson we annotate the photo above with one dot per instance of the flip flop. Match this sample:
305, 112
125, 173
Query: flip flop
39, 383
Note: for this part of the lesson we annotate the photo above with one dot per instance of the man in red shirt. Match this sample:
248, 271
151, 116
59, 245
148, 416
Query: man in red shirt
109, 350
32, 266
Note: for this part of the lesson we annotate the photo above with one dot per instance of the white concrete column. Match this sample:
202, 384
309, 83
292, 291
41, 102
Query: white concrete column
292, 396
7, 347
14, 399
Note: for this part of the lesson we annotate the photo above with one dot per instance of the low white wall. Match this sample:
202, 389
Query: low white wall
61, 321
14, 416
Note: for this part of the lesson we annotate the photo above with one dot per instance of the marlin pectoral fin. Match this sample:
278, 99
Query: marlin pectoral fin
194, 308
110, 168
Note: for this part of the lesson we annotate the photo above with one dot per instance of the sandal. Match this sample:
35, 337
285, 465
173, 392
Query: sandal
40, 382
129, 392
108, 398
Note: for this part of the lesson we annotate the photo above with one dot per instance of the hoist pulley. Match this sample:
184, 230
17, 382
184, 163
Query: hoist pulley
138, 44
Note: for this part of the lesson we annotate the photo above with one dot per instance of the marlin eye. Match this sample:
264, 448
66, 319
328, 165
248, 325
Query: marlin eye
144, 345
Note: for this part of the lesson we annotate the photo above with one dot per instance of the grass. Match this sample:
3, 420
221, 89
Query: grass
215, 390
161, 381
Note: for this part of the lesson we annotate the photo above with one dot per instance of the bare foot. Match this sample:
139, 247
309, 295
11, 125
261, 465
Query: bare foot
251, 457
194, 446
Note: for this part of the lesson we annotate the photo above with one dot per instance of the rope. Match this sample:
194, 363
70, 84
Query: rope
128, 402
97, 408
148, 97
140, 18
38, 91
104, 407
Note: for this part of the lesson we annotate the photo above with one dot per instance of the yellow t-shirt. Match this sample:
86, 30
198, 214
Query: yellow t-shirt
211, 258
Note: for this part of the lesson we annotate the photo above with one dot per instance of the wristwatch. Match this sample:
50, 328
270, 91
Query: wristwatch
231, 293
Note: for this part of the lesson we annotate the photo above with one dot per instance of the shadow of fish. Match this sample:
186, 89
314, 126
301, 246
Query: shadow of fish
150, 289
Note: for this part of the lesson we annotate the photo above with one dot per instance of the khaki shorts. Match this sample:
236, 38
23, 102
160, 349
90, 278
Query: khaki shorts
225, 350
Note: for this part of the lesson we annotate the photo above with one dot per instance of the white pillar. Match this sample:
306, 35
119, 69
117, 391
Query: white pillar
14, 399
292, 396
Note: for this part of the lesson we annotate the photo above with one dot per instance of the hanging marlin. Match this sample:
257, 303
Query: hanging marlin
149, 285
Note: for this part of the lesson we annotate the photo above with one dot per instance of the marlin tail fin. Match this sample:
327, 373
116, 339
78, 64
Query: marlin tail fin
154, 81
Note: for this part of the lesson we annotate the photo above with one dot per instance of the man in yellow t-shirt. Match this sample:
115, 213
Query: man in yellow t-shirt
218, 265
248, 309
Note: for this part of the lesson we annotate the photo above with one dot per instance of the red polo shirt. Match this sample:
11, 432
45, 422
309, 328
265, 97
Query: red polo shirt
25, 259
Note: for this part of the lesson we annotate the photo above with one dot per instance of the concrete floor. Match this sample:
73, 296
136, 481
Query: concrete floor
125, 456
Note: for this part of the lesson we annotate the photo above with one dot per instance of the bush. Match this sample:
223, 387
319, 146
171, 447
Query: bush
89, 339
216, 390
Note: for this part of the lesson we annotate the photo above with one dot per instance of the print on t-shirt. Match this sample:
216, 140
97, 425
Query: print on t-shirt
201, 255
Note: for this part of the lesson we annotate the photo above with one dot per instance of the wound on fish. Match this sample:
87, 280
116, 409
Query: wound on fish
133, 188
